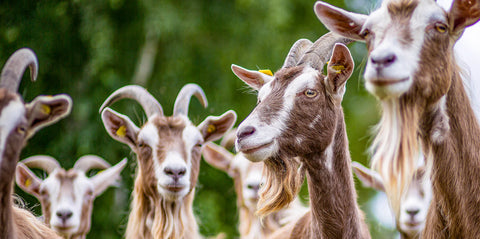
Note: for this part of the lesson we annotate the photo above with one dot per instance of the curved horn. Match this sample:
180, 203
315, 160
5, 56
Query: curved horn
149, 104
88, 162
297, 51
13, 70
44, 162
184, 96
321, 50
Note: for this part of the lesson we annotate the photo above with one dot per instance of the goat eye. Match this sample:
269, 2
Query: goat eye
141, 145
440, 27
310, 93
365, 33
21, 129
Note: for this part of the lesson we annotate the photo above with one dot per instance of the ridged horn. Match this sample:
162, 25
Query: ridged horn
13, 70
228, 140
321, 50
183, 99
149, 104
297, 51
88, 162
44, 162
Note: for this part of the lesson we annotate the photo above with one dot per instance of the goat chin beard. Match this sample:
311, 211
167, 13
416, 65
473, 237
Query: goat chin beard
396, 147
284, 178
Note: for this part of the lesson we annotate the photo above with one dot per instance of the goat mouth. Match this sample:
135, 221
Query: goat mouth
174, 188
383, 82
252, 150
412, 224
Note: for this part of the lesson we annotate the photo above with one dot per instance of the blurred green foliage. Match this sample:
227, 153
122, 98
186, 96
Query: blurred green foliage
89, 48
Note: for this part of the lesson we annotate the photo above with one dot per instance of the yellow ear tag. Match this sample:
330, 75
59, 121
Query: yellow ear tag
338, 68
46, 109
28, 182
122, 131
267, 72
211, 128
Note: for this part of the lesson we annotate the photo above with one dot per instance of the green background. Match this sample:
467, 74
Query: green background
89, 48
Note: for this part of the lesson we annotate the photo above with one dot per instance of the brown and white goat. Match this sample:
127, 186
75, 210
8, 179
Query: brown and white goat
299, 121
414, 203
248, 178
411, 68
67, 196
168, 155
18, 122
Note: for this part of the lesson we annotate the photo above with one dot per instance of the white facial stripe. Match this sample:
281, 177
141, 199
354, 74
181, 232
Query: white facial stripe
9, 119
149, 134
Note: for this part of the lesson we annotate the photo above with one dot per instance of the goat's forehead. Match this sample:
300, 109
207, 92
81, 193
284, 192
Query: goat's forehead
402, 12
288, 81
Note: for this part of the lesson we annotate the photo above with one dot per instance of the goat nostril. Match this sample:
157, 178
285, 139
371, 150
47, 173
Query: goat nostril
413, 212
383, 61
64, 214
176, 173
245, 131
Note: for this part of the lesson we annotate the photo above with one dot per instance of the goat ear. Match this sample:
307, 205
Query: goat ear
339, 69
213, 127
344, 23
27, 180
217, 156
120, 127
463, 13
368, 177
108, 177
46, 110
254, 79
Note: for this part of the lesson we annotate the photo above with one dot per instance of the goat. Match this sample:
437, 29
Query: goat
414, 204
67, 196
18, 122
248, 178
299, 122
168, 154
411, 69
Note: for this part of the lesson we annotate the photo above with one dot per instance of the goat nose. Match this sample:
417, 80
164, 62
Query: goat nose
383, 60
175, 173
64, 214
413, 212
245, 131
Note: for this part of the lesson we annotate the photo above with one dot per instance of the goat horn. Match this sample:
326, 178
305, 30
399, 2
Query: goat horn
149, 104
297, 51
13, 70
321, 50
88, 162
44, 162
184, 96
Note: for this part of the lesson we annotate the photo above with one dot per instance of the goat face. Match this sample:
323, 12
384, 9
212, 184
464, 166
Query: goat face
247, 175
67, 196
404, 39
414, 204
167, 148
296, 111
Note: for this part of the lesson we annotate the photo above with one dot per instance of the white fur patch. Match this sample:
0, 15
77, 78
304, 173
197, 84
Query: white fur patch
329, 157
10, 117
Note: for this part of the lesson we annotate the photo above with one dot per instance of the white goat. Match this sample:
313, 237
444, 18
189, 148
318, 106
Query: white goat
414, 204
67, 196
168, 155
248, 178
19, 122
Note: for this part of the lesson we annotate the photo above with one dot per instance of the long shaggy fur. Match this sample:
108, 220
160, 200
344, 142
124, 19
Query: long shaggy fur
28, 226
398, 126
284, 178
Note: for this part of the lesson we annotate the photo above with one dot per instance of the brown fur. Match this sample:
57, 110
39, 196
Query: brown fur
320, 123
15, 222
